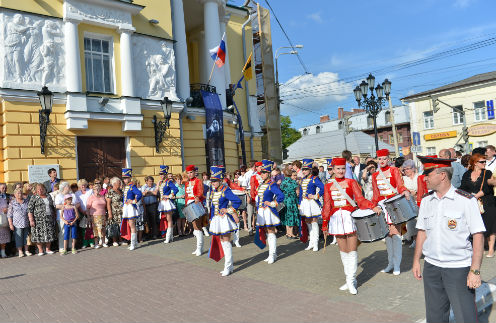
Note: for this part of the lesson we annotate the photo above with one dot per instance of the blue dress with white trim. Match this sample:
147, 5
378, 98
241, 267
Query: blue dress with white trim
310, 208
221, 224
267, 216
131, 192
166, 204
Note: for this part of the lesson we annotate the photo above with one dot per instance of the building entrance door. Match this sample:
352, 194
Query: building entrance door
100, 157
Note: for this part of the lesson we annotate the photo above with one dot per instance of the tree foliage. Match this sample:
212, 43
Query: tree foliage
289, 135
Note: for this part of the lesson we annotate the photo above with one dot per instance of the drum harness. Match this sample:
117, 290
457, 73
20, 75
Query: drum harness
387, 182
343, 192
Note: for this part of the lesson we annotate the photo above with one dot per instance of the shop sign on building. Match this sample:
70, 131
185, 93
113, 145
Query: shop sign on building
440, 135
483, 129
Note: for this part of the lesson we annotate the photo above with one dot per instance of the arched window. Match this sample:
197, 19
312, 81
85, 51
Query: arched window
305, 131
317, 129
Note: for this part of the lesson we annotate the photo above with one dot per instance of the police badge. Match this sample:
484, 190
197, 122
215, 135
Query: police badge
452, 224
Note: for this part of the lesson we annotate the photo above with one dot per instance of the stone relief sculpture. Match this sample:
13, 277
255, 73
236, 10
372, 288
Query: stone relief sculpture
32, 53
154, 68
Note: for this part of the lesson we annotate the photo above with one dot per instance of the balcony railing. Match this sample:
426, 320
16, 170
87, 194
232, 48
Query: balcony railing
196, 94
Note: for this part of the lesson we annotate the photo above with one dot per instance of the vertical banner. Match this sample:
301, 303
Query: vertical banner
490, 109
215, 129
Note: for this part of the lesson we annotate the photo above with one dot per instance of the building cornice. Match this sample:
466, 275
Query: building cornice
456, 89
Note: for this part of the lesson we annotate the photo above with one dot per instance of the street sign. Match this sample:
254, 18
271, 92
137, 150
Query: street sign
416, 138
416, 149
490, 109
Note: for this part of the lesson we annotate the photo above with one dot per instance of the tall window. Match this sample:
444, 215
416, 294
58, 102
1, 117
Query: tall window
480, 111
431, 150
457, 116
98, 64
387, 116
428, 120
370, 122
305, 131
317, 129
482, 143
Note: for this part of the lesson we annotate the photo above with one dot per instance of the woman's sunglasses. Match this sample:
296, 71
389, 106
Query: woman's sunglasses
482, 161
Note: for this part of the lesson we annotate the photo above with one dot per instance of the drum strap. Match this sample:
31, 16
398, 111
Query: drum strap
343, 192
387, 182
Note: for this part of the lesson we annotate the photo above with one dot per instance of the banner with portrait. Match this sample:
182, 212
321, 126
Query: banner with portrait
214, 122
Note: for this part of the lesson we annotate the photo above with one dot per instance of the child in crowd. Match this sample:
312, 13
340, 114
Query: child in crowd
71, 216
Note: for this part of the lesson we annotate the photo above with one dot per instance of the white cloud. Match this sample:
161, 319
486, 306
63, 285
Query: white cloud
463, 3
316, 16
312, 92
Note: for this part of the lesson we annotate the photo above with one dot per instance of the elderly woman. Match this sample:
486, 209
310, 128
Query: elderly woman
19, 221
97, 209
290, 215
83, 194
27, 191
64, 189
410, 179
4, 231
114, 209
41, 218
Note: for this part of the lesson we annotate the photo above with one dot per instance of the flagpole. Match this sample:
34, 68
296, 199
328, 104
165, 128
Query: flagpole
215, 60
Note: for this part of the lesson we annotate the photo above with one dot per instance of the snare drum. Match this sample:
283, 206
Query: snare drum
370, 227
242, 197
400, 209
193, 211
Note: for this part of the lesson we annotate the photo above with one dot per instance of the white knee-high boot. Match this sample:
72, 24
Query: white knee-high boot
236, 237
205, 231
168, 235
397, 254
199, 242
272, 241
390, 253
344, 260
134, 242
228, 258
315, 232
310, 237
352, 269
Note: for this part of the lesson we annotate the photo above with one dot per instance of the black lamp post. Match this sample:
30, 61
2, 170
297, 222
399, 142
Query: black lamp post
372, 104
161, 126
46, 101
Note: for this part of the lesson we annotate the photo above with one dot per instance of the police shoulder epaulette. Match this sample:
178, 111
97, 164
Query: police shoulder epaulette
464, 194
428, 193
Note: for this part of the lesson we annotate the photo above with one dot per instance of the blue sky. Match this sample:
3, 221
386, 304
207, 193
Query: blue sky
344, 40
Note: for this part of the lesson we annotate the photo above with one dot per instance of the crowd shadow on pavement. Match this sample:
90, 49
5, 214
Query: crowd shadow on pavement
283, 251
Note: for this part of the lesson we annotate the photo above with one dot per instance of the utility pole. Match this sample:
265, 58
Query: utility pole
345, 123
393, 126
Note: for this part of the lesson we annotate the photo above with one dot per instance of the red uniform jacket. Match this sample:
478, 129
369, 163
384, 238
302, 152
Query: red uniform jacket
194, 188
254, 183
353, 190
421, 188
395, 179
232, 185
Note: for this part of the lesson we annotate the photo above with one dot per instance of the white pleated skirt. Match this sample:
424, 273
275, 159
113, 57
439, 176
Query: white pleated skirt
341, 223
220, 225
386, 214
129, 212
266, 218
309, 208
166, 206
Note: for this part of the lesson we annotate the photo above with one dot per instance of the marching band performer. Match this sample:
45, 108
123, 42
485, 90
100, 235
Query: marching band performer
166, 207
194, 194
255, 181
310, 207
222, 216
341, 197
386, 183
268, 197
233, 186
132, 195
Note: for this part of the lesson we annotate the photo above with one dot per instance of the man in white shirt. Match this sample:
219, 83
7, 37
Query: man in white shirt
447, 218
490, 158
245, 182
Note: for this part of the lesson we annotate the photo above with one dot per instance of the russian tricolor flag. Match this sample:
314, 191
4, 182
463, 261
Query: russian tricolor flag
218, 53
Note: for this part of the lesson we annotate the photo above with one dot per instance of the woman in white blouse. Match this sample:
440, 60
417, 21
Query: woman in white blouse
410, 180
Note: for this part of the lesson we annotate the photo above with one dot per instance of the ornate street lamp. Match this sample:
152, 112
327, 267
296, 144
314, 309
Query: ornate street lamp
372, 104
160, 127
46, 101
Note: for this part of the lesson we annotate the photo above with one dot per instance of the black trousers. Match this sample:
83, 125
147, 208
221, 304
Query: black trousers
444, 287
152, 218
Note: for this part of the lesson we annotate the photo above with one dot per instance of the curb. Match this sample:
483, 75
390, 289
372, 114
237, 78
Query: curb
485, 296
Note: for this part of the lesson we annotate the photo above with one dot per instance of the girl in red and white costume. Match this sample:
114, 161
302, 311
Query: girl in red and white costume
338, 222
382, 191
194, 194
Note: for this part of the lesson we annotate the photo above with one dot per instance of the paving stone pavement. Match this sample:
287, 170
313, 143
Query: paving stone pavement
159, 282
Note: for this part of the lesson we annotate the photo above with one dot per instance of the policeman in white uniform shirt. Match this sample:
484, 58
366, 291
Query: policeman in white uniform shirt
447, 218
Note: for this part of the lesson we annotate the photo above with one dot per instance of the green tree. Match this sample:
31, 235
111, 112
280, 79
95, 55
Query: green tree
288, 135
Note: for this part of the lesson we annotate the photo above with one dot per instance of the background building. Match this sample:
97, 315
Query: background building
444, 128
109, 64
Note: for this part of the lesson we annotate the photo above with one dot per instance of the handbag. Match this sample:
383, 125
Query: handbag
4, 222
113, 230
479, 200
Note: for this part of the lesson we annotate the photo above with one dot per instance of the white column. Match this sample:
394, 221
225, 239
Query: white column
212, 39
227, 69
180, 49
72, 57
127, 73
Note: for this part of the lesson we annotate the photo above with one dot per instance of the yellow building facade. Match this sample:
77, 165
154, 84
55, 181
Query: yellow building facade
109, 65
435, 114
